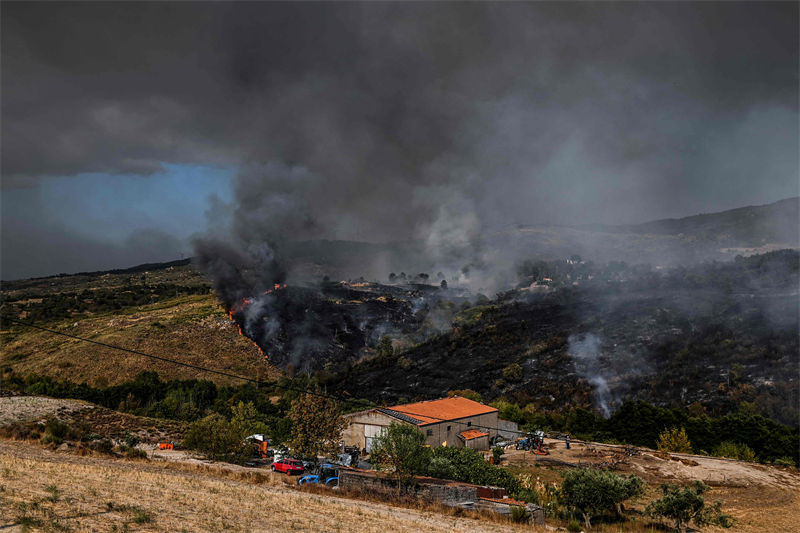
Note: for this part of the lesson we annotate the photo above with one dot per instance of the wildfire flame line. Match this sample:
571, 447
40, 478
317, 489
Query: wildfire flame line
244, 303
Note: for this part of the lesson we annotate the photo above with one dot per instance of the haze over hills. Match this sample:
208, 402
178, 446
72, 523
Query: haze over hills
639, 322
751, 226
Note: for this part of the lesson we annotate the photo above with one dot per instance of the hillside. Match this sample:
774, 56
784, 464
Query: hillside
717, 334
165, 310
751, 226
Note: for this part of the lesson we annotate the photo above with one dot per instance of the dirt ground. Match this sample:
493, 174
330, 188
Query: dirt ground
105, 422
760, 497
46, 490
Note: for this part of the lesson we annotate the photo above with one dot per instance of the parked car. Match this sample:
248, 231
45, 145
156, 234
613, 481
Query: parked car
325, 473
288, 466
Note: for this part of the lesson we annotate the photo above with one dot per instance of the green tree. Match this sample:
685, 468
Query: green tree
734, 450
466, 393
224, 440
317, 425
385, 348
674, 440
684, 505
400, 450
591, 491
512, 372
469, 466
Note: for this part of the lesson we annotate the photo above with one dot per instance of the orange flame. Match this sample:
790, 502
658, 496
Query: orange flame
244, 303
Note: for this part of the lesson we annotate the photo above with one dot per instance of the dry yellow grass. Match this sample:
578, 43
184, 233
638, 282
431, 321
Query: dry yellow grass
191, 329
759, 497
165, 498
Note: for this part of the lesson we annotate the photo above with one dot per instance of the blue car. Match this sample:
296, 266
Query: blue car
326, 474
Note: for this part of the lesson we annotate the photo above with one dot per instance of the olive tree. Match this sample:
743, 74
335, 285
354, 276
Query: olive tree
591, 491
683, 505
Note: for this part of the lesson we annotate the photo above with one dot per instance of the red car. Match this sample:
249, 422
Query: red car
289, 466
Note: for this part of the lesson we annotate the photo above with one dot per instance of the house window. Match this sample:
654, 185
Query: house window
448, 428
429, 433
469, 424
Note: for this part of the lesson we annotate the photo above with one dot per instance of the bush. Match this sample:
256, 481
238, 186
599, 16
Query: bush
135, 453
574, 526
442, 468
519, 514
468, 466
512, 373
784, 461
734, 450
102, 446
55, 431
497, 453
674, 440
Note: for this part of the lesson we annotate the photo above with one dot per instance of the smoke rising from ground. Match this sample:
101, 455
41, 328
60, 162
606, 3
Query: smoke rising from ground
586, 351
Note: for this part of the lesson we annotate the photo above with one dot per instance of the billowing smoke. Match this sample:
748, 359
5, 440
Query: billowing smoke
586, 351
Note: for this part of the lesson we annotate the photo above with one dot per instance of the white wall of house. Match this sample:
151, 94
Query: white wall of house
366, 425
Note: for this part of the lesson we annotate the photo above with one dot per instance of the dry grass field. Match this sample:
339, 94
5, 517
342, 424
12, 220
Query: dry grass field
43, 490
760, 497
192, 329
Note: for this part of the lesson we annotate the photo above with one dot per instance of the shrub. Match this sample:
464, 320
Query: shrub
469, 466
512, 373
54, 493
497, 453
684, 505
734, 450
574, 526
135, 453
519, 514
130, 440
784, 461
442, 468
102, 446
674, 440
591, 491
55, 431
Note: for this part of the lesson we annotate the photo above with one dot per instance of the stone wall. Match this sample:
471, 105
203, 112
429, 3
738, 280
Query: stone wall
437, 490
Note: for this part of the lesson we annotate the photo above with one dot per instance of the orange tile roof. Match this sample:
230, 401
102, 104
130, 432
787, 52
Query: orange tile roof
473, 434
435, 411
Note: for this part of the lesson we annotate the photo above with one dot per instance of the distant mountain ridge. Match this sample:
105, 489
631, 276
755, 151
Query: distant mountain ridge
778, 222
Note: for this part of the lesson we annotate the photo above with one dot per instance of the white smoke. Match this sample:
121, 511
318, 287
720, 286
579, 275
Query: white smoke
585, 353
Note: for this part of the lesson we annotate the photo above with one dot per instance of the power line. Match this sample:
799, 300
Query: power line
236, 376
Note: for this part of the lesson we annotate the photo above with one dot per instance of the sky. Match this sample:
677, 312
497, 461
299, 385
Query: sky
131, 132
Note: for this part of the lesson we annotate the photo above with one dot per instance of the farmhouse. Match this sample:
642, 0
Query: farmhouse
455, 421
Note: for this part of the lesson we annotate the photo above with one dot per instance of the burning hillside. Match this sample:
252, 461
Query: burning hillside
307, 326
